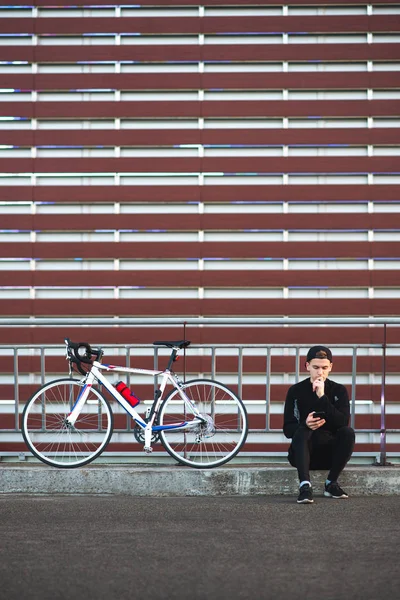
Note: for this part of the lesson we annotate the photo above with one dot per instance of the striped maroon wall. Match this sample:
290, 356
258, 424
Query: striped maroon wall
224, 158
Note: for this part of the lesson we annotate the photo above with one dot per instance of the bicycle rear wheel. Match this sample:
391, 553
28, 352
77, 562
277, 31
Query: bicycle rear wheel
47, 433
216, 441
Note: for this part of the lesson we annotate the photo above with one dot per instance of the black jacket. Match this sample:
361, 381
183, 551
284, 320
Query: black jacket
301, 400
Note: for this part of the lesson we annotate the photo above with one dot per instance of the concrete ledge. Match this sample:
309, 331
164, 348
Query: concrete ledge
159, 480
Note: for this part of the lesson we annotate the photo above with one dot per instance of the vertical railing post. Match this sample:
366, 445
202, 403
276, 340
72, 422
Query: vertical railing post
353, 387
240, 372
297, 366
42, 379
268, 390
184, 353
42, 366
16, 389
128, 383
240, 381
155, 367
213, 362
383, 402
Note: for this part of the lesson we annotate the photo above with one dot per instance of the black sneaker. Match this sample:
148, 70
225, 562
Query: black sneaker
305, 495
333, 490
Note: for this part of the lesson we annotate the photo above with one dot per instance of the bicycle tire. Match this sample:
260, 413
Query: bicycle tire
51, 440
213, 444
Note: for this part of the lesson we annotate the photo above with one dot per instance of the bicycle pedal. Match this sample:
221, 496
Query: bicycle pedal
148, 449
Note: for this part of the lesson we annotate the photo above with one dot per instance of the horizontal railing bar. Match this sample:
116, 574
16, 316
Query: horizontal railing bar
26, 321
196, 346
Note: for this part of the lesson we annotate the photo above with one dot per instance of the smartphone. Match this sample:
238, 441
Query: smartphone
319, 415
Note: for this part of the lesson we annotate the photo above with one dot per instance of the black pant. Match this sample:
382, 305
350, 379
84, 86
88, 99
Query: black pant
321, 449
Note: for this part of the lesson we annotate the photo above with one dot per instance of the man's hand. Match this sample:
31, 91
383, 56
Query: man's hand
318, 386
314, 423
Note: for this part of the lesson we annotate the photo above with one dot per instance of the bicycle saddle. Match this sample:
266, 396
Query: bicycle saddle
180, 344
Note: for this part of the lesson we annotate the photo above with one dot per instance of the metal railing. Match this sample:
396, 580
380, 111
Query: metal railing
213, 349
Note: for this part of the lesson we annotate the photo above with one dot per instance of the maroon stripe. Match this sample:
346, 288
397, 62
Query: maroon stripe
197, 250
208, 222
248, 447
217, 278
298, 52
167, 3
206, 109
208, 307
209, 193
208, 52
224, 364
255, 392
206, 25
206, 81
99, 335
226, 165
173, 137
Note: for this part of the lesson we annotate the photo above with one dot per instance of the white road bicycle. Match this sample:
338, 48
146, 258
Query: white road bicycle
68, 422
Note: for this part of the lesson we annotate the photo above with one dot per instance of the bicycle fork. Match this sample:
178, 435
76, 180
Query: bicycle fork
80, 401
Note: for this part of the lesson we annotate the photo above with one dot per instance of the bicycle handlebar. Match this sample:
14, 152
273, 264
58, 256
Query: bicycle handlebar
81, 352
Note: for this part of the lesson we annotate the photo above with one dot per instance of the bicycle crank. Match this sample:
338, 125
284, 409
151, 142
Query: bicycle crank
138, 432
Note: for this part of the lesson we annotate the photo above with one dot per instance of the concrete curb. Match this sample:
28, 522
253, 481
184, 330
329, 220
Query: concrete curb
182, 481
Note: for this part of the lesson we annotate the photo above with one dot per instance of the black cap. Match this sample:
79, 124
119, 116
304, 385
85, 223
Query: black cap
319, 352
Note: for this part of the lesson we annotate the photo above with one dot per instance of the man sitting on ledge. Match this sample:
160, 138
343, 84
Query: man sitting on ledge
316, 417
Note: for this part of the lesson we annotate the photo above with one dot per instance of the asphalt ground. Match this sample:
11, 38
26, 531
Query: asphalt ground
119, 547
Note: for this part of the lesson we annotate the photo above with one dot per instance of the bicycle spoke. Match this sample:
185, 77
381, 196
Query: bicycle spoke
218, 438
49, 435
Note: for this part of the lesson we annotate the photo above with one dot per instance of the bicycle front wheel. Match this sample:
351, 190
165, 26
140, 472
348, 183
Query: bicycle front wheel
218, 439
49, 436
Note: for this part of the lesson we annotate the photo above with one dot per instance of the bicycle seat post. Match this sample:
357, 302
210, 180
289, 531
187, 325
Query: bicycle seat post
172, 358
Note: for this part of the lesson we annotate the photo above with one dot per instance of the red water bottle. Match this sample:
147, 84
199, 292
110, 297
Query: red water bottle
126, 393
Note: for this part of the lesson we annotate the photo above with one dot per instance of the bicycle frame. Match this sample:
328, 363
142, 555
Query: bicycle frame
95, 375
